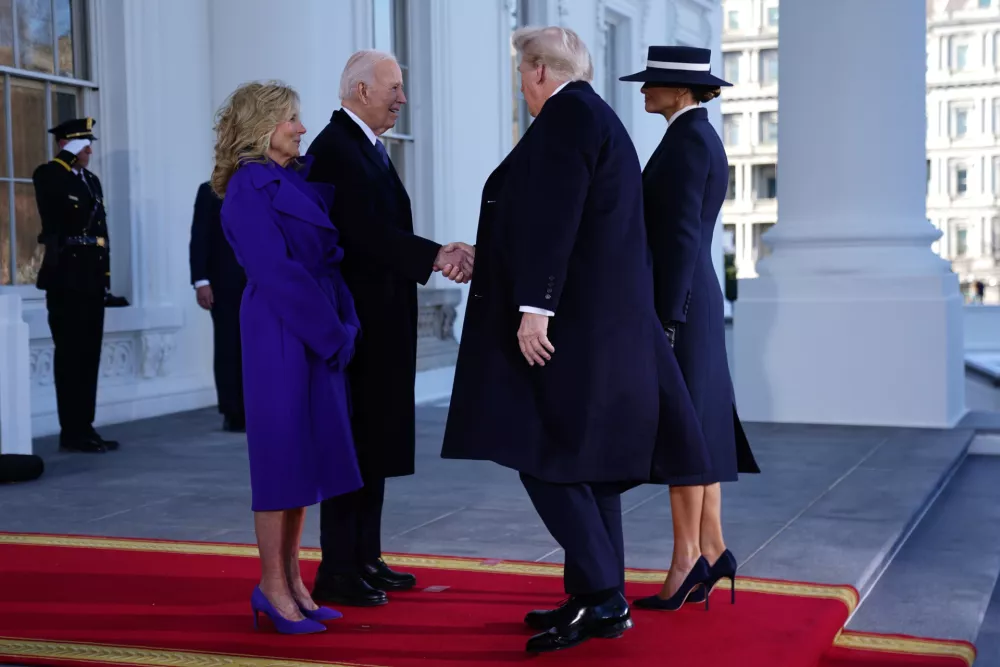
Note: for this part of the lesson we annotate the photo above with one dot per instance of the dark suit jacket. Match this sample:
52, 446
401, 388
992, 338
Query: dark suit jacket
211, 256
383, 263
561, 228
684, 187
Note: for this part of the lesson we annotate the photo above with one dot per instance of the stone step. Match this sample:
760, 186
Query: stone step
853, 528
940, 582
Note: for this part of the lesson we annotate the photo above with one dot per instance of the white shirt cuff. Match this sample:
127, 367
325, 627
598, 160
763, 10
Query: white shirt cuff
201, 283
537, 311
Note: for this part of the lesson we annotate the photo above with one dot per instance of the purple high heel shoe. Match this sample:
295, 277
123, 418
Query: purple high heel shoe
260, 604
321, 613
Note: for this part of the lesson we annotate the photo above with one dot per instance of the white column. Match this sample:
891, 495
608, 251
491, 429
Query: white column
15, 378
853, 320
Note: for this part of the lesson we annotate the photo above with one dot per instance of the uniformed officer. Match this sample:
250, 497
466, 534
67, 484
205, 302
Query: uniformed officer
75, 275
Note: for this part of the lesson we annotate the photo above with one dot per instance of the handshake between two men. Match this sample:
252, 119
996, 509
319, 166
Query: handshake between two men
455, 261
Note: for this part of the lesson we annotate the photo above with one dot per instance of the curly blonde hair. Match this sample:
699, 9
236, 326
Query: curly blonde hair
244, 124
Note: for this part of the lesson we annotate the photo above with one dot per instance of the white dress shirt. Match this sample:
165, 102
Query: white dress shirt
677, 115
532, 309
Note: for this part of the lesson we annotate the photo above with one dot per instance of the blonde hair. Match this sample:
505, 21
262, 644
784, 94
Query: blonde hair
560, 49
244, 125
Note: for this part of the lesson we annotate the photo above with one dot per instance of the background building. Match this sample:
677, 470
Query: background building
153, 72
963, 133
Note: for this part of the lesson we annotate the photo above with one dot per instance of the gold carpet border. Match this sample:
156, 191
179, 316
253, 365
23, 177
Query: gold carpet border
906, 646
105, 654
845, 594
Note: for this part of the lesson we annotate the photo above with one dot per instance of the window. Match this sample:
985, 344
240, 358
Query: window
961, 242
995, 237
731, 129
519, 18
43, 44
961, 180
772, 17
769, 128
927, 188
959, 121
959, 52
996, 117
617, 50
731, 190
391, 21
766, 181
769, 67
731, 67
734, 19
961, 56
759, 248
985, 4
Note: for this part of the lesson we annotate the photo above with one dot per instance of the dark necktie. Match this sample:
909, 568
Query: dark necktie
381, 151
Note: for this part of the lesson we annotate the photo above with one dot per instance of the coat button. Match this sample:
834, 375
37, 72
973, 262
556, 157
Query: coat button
548, 296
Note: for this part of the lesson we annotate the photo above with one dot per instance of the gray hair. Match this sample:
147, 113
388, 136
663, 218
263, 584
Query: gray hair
560, 49
360, 68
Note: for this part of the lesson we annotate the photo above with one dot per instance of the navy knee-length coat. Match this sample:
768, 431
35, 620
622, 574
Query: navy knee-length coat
684, 186
561, 229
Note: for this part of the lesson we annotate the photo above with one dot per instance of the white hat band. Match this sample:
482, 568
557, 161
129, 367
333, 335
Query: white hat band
690, 67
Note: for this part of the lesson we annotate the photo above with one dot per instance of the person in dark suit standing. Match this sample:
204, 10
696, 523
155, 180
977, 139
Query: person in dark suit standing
219, 281
76, 277
383, 263
564, 373
684, 186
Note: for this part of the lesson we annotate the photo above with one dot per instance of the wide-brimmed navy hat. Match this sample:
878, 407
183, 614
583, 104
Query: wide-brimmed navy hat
678, 65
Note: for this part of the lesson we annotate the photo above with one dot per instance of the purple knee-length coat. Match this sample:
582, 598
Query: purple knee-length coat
298, 328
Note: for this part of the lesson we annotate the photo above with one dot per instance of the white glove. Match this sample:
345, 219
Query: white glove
76, 146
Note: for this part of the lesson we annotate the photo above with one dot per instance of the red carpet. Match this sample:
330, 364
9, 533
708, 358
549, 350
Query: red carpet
96, 601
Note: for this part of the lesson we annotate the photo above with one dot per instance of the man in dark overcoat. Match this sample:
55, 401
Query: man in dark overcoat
564, 372
383, 263
76, 277
219, 281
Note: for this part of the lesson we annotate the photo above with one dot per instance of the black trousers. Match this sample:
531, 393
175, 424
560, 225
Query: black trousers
586, 521
76, 320
350, 533
228, 365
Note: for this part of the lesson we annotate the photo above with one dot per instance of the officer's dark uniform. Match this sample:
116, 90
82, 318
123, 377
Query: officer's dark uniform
75, 275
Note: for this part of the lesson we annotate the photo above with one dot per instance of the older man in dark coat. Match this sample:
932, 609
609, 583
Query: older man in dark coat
564, 372
383, 263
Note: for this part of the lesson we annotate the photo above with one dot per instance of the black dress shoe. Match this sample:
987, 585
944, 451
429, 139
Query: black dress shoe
349, 590
608, 620
109, 445
380, 577
82, 444
234, 425
561, 615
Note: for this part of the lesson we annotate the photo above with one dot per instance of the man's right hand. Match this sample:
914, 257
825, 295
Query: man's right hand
205, 297
456, 260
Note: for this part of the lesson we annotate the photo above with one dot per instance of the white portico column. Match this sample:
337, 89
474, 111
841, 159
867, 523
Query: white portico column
853, 319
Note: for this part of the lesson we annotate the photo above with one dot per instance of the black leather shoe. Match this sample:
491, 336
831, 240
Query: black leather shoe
84, 445
234, 425
380, 577
347, 589
109, 445
561, 615
608, 620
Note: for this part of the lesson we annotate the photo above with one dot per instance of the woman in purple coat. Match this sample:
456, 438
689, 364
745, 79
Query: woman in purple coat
298, 331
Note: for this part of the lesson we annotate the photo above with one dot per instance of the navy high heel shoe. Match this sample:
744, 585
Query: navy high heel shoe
260, 604
724, 568
696, 579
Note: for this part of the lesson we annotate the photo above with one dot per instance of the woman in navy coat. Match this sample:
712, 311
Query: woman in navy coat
684, 186
298, 327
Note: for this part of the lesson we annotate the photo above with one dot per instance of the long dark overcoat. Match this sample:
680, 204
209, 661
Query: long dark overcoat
383, 262
684, 186
561, 228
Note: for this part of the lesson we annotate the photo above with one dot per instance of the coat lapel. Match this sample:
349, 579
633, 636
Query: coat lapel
359, 136
292, 201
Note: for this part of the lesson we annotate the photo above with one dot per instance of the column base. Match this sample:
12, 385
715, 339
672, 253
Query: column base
851, 350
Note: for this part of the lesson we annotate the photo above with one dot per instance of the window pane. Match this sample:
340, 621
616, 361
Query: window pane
5, 233
64, 34
27, 100
3, 133
27, 226
34, 32
382, 18
400, 38
7, 33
